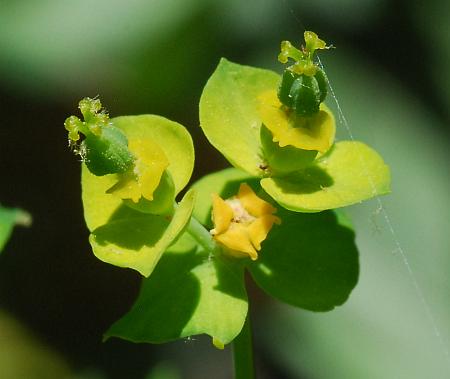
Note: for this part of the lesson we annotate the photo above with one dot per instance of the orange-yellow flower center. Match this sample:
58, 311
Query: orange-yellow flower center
243, 222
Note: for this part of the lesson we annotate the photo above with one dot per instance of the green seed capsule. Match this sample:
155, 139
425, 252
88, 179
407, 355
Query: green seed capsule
303, 93
107, 153
304, 84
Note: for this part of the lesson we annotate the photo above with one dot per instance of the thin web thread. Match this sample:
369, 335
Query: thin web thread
398, 247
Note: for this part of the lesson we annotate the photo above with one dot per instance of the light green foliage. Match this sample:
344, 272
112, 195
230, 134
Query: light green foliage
9, 217
229, 113
349, 173
137, 240
189, 293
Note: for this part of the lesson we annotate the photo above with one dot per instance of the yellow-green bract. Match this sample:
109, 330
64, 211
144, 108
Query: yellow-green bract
122, 235
231, 118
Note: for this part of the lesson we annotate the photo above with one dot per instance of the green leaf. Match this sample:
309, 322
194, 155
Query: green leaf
189, 293
137, 240
8, 218
309, 261
229, 113
174, 140
349, 173
224, 183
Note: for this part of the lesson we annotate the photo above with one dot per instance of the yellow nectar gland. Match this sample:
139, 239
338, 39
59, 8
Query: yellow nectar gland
243, 222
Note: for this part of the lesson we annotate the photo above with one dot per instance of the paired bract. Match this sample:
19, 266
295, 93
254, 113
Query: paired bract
132, 215
296, 158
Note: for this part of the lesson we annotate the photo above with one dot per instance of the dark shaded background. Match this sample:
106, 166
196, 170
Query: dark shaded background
155, 57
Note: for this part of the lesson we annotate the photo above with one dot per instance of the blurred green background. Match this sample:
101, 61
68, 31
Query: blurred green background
390, 75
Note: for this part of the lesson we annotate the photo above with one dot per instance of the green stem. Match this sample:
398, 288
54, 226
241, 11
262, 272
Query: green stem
201, 235
243, 353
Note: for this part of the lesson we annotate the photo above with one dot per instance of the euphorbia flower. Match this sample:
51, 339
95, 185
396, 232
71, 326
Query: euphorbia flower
137, 163
295, 156
243, 222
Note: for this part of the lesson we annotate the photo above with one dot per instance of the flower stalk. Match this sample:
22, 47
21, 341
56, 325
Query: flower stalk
201, 234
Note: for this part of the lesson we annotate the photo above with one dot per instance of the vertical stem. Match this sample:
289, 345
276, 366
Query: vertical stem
243, 353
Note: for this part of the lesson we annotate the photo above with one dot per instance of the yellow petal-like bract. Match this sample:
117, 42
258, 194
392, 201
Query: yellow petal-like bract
145, 176
307, 133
